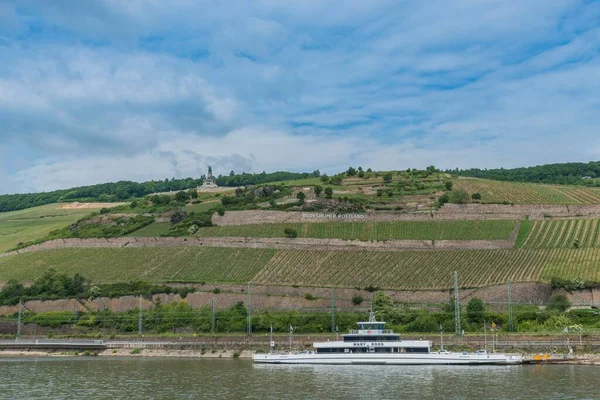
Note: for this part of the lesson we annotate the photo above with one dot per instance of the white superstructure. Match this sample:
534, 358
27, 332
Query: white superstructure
374, 345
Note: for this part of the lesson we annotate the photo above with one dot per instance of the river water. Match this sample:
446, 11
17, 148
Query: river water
155, 378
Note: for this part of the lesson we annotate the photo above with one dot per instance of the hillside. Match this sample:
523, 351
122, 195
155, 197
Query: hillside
522, 232
392, 270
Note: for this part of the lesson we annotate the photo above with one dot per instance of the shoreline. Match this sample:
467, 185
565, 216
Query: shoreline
584, 359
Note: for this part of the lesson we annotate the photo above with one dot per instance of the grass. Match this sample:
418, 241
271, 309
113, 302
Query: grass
201, 207
563, 234
417, 230
393, 270
35, 223
527, 193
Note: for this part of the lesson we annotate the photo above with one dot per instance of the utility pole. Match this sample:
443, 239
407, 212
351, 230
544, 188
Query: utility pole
140, 317
249, 330
485, 336
212, 318
456, 306
510, 308
332, 310
19, 321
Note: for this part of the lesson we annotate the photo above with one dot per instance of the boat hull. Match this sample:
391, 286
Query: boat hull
389, 359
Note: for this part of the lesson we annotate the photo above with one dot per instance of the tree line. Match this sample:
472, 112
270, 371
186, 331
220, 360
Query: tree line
565, 174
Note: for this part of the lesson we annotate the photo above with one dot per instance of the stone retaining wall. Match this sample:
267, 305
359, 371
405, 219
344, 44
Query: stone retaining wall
290, 298
448, 212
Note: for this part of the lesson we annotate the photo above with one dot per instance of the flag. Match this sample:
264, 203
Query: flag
566, 330
493, 324
291, 328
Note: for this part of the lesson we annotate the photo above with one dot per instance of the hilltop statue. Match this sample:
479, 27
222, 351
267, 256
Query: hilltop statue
209, 181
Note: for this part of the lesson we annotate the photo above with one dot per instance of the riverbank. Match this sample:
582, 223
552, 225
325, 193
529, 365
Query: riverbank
583, 359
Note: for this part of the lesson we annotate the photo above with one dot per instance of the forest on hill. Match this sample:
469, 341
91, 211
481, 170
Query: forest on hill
574, 173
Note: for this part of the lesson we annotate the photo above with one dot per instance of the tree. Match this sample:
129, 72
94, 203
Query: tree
360, 168
448, 185
336, 180
460, 197
559, 302
290, 232
443, 199
351, 171
431, 168
476, 196
324, 178
379, 192
318, 190
181, 196
382, 302
369, 170
193, 193
328, 192
301, 197
390, 192
387, 178
231, 173
361, 174
316, 173
475, 310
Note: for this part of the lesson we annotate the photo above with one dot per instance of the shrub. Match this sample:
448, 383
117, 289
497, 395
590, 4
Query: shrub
460, 197
290, 232
558, 303
387, 178
309, 297
475, 310
136, 351
216, 290
476, 196
357, 300
448, 185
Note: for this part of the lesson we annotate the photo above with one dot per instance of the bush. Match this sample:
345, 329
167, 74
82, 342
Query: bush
309, 297
357, 300
290, 232
558, 303
459, 197
216, 290
387, 178
475, 310
448, 185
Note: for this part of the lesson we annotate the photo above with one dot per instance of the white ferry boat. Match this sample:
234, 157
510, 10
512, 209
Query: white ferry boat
371, 344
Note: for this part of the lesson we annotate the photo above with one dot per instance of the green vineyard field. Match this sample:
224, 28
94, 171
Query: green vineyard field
440, 230
528, 193
393, 270
563, 234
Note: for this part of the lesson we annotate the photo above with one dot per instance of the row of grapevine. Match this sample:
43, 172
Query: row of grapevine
563, 234
528, 193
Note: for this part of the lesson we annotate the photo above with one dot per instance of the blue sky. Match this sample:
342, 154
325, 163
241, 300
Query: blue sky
105, 90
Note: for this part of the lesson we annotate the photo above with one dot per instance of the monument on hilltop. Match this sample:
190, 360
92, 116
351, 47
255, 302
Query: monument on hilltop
209, 181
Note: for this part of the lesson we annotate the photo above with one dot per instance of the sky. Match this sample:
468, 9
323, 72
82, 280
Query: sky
106, 90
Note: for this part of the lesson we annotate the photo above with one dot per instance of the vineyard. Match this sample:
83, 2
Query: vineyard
563, 234
394, 270
417, 230
528, 193
105, 265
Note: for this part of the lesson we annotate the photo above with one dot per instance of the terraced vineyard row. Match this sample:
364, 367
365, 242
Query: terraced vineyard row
563, 234
159, 264
528, 193
418, 230
428, 270
394, 270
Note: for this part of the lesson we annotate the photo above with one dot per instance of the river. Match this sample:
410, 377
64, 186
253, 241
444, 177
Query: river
156, 378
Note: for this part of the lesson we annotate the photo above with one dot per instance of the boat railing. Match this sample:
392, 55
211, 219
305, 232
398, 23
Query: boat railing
373, 331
